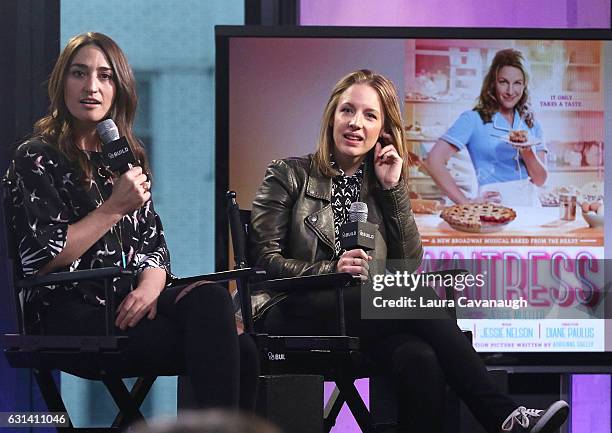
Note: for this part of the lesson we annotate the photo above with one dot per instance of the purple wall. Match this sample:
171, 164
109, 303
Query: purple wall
458, 13
591, 404
590, 393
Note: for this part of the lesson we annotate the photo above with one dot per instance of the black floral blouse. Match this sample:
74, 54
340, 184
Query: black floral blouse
47, 194
345, 191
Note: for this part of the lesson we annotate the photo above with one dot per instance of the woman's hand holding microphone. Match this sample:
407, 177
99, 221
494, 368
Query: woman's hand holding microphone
130, 191
355, 262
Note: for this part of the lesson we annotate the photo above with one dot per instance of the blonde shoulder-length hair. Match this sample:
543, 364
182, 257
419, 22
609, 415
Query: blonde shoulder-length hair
392, 118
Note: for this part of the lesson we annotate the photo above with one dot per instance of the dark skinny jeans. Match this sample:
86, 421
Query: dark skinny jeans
196, 335
421, 355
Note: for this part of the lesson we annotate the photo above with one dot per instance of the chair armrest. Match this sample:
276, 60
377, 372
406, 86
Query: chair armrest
106, 274
83, 275
222, 276
336, 281
241, 276
308, 282
61, 342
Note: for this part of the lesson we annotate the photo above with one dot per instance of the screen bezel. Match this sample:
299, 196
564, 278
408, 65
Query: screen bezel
562, 361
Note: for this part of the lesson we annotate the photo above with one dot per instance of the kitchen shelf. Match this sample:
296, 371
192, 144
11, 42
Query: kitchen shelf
569, 65
570, 168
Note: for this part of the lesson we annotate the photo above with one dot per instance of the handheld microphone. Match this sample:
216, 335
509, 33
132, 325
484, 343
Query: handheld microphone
116, 151
358, 233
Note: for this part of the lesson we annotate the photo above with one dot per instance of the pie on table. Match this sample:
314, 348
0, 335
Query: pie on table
473, 216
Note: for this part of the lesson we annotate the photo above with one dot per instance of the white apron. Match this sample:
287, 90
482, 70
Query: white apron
514, 193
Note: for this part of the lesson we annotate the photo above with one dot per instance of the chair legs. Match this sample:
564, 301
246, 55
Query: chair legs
51, 395
129, 410
346, 392
332, 409
128, 402
137, 394
355, 404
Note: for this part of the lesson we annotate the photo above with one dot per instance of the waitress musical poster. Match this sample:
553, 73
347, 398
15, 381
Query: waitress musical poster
525, 181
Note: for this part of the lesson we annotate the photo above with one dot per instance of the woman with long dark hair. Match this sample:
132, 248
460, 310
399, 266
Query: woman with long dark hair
69, 211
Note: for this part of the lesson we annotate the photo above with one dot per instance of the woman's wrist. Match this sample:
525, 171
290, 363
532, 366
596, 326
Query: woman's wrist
107, 208
153, 279
390, 186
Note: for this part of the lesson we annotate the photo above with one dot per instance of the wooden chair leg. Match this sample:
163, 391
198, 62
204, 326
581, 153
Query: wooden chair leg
129, 411
332, 409
138, 393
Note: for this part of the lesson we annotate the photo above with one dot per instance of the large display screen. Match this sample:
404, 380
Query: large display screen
273, 97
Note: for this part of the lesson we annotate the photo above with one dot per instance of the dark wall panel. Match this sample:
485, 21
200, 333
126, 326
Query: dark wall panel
29, 45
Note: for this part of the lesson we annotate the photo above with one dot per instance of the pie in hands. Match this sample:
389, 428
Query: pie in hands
473, 216
518, 136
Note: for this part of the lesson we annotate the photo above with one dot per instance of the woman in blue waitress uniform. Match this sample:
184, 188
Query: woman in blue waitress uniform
505, 172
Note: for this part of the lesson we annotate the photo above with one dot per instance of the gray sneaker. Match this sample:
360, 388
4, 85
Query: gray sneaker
524, 420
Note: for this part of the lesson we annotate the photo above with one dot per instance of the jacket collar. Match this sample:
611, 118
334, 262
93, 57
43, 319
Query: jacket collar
318, 185
365, 185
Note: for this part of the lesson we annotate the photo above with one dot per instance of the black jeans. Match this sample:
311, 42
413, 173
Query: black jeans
421, 355
196, 334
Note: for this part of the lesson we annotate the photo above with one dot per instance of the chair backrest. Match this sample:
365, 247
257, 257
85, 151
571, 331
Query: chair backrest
239, 228
11, 244
13, 260
240, 221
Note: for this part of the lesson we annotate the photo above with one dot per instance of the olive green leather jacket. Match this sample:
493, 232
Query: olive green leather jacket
292, 221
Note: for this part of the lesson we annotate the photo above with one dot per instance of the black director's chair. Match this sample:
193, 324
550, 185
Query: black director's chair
337, 358
90, 357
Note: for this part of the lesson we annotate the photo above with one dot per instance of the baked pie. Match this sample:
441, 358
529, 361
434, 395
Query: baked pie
518, 136
474, 216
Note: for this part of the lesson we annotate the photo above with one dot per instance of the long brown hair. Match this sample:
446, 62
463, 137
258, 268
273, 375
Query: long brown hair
56, 127
487, 104
392, 116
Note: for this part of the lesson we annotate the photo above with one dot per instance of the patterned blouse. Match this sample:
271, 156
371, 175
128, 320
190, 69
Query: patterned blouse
47, 194
345, 191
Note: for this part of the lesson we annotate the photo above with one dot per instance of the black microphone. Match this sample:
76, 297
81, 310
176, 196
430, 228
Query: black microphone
358, 233
116, 151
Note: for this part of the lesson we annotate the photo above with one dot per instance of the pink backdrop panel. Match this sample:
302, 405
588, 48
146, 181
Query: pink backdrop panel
458, 13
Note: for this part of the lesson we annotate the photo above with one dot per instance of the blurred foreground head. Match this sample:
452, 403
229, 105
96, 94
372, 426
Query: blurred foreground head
209, 421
